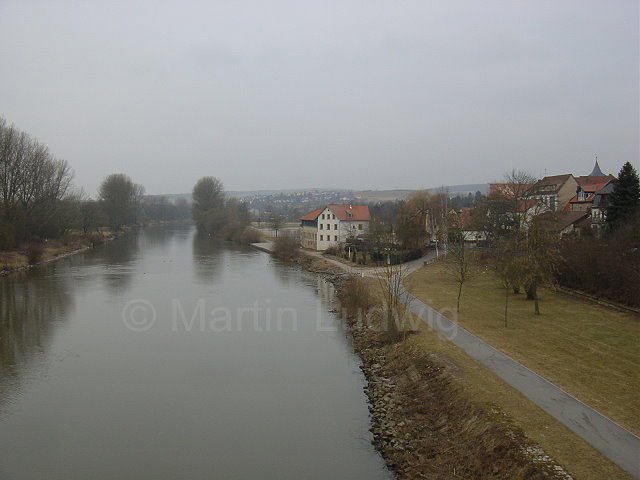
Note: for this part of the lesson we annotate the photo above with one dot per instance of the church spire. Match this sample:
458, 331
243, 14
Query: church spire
596, 170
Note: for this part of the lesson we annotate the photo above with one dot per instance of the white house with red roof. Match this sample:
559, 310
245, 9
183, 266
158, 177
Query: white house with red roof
333, 224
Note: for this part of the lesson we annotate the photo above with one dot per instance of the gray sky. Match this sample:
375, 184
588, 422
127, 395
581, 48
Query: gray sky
349, 94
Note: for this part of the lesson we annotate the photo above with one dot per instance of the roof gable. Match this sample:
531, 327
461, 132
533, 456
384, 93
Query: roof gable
551, 184
313, 215
351, 212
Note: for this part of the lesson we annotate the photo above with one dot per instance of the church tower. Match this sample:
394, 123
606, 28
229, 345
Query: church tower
596, 170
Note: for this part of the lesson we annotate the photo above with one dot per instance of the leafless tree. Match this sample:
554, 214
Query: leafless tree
35, 188
458, 261
277, 221
396, 300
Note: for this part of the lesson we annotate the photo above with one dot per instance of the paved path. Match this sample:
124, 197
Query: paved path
615, 442
612, 440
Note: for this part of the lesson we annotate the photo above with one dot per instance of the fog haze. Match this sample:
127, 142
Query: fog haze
363, 95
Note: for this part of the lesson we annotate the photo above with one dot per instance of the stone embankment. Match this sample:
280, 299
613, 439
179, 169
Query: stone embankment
421, 422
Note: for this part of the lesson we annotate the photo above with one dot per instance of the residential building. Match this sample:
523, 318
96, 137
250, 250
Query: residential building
332, 225
554, 191
586, 193
599, 207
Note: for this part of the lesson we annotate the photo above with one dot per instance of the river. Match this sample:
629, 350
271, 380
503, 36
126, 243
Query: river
163, 355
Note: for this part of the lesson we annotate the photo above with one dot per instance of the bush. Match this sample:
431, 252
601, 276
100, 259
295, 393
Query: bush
412, 255
286, 248
605, 267
34, 253
96, 239
248, 235
331, 251
355, 295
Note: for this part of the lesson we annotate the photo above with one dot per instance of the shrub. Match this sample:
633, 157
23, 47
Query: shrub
248, 235
355, 295
331, 251
34, 253
96, 239
286, 248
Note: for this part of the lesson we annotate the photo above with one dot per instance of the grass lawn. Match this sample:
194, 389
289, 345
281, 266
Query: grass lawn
589, 350
483, 387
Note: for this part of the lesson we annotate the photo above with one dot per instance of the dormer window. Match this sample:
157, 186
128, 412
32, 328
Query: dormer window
582, 195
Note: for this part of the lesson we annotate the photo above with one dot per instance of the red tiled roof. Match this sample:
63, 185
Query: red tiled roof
313, 215
594, 187
569, 218
587, 180
351, 212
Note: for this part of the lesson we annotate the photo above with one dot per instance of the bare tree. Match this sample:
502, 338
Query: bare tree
540, 244
277, 221
34, 188
396, 300
458, 261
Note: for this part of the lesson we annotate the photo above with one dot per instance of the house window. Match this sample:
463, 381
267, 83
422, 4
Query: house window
321, 238
359, 226
321, 226
323, 216
333, 216
335, 238
335, 226
328, 226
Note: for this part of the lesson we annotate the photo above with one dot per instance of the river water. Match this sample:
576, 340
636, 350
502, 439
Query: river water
163, 355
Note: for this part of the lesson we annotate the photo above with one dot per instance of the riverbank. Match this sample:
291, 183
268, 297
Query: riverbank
425, 419
17, 260
426, 424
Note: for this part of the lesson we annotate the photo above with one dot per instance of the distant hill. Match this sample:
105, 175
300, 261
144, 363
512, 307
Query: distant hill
389, 195
363, 195
466, 188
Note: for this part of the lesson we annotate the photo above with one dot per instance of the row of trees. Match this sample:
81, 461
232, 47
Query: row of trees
38, 200
215, 214
35, 189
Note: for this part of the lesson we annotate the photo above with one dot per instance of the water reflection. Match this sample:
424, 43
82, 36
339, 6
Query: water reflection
117, 257
31, 303
208, 259
161, 238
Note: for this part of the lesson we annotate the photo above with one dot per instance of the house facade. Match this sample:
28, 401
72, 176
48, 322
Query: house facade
554, 191
332, 225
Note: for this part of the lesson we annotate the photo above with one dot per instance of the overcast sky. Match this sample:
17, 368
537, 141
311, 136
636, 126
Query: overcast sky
347, 94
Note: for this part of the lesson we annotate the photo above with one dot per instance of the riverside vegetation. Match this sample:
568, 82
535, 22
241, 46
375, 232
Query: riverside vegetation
43, 215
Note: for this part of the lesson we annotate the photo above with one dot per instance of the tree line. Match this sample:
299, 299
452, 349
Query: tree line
38, 200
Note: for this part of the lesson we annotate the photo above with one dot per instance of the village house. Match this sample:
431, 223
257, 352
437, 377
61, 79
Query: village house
580, 202
554, 191
591, 187
332, 225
